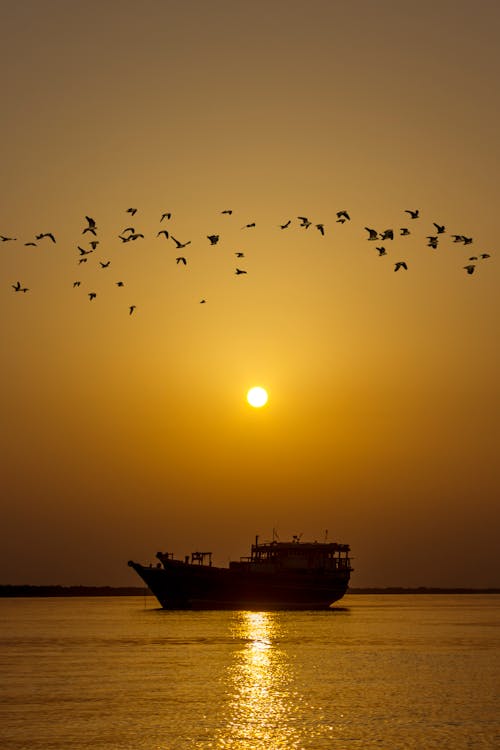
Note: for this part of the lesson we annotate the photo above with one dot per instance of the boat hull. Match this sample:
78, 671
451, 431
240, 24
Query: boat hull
182, 586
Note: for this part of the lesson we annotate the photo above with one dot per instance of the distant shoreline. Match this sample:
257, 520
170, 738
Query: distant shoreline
19, 591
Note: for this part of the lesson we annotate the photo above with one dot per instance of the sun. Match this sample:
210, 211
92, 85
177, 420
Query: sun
257, 396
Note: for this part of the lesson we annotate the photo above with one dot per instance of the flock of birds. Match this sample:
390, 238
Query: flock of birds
88, 245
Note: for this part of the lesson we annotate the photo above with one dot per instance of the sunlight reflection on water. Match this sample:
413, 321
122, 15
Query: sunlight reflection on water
260, 712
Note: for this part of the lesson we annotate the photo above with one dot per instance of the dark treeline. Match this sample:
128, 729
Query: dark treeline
421, 590
27, 590
32, 591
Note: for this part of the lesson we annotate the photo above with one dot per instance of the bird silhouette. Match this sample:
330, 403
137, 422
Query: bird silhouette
92, 295
214, 238
76, 283
321, 228
91, 225
164, 232
82, 260
120, 283
228, 211
180, 245
27, 244
93, 244
131, 309
485, 255
131, 211
304, 221
470, 268
7, 239
433, 241
83, 251
249, 226
240, 255
343, 216
46, 234
381, 251
239, 271
440, 228
17, 286
373, 234
104, 265
166, 216
387, 234
404, 231
135, 236
413, 214
400, 264
286, 224
181, 259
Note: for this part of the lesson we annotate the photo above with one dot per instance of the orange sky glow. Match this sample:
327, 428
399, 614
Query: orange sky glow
127, 432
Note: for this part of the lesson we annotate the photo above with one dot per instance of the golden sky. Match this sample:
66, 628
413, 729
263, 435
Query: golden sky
125, 434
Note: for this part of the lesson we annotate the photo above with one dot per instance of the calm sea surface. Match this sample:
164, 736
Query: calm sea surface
376, 672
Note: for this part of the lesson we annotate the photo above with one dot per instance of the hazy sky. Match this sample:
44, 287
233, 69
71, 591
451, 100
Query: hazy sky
125, 434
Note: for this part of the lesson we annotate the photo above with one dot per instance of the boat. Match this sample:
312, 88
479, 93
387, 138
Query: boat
276, 575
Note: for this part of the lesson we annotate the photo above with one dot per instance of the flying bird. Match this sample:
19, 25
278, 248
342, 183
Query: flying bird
286, 224
228, 211
440, 228
91, 225
485, 255
248, 226
304, 221
27, 244
343, 216
7, 239
131, 309
381, 251
120, 283
131, 211
93, 244
164, 232
321, 228
180, 245
413, 214
470, 268
181, 259
404, 231
83, 251
239, 271
400, 264
166, 216
373, 234
46, 234
433, 241
240, 255
104, 265
387, 234
76, 283
92, 295
214, 238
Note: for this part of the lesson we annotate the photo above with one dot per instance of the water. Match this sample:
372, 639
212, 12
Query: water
385, 672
